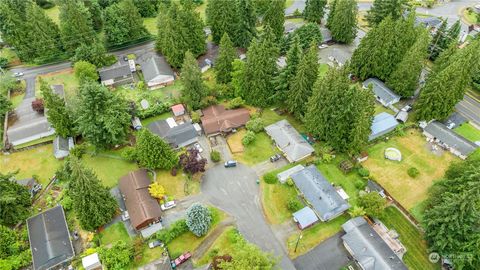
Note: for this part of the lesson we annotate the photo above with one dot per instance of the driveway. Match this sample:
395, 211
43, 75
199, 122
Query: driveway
329, 255
235, 191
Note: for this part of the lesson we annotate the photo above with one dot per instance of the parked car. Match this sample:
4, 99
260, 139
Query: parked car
18, 74
231, 163
125, 216
407, 108
198, 147
168, 205
181, 259
275, 157
323, 46
154, 244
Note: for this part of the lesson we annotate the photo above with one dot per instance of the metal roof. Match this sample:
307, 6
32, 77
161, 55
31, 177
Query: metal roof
156, 66
287, 138
323, 197
440, 132
381, 90
382, 124
116, 71
305, 217
176, 135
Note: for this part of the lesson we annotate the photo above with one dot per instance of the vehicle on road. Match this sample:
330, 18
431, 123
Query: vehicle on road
323, 46
198, 147
181, 259
231, 163
18, 74
156, 243
168, 205
125, 216
407, 108
275, 157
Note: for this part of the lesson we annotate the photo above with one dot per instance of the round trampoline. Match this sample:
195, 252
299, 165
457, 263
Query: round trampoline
393, 154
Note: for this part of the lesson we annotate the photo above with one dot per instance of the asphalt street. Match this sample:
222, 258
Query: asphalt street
470, 108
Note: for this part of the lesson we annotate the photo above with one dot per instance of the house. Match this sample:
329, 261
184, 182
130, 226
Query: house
402, 116
92, 262
372, 186
49, 239
31, 184
319, 193
430, 23
283, 176
382, 93
116, 75
157, 72
369, 249
62, 146
142, 208
176, 135
216, 119
289, 141
438, 133
178, 110
305, 218
382, 124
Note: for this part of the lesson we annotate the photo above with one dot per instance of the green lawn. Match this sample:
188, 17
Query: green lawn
108, 169
379, 109
35, 142
53, 13
114, 233
259, 150
65, 77
226, 243
469, 132
416, 256
470, 16
274, 200
16, 99
147, 121
151, 25
168, 92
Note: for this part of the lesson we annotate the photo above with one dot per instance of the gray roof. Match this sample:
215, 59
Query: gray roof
175, 136
373, 186
155, 66
440, 132
368, 248
325, 200
455, 120
428, 22
113, 72
381, 90
382, 124
62, 146
287, 138
305, 217
49, 239
402, 116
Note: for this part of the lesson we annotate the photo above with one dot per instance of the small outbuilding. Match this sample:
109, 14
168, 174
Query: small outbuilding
92, 262
305, 218
402, 116
382, 124
178, 110
62, 146
31, 184
382, 93
136, 123
372, 186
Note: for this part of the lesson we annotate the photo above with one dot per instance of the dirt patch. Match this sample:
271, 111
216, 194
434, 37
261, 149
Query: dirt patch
234, 142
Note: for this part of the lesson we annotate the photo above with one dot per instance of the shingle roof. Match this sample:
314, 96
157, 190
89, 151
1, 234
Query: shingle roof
325, 200
177, 135
289, 140
382, 124
381, 90
368, 248
49, 239
305, 217
217, 119
154, 67
116, 71
450, 138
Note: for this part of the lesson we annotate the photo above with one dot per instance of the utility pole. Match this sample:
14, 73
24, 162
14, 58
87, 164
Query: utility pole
298, 240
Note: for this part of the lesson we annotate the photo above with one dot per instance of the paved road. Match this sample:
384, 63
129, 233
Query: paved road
234, 191
297, 4
470, 108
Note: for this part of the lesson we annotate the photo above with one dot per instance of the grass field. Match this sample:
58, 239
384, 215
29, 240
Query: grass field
35, 142
416, 256
274, 200
259, 150
16, 99
108, 169
379, 109
65, 77
54, 14
470, 16
393, 175
175, 185
224, 244
162, 116
151, 25
469, 132
114, 233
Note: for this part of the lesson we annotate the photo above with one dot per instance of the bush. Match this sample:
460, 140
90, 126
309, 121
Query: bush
270, 178
359, 184
85, 70
153, 110
248, 138
363, 172
293, 205
199, 219
67, 203
327, 158
209, 100
3, 62
235, 103
356, 211
215, 156
372, 203
129, 154
255, 124
413, 172
37, 105
178, 228
118, 256
195, 117
290, 182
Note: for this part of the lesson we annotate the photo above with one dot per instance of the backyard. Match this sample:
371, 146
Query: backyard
177, 187
224, 244
65, 77
393, 176
259, 150
468, 131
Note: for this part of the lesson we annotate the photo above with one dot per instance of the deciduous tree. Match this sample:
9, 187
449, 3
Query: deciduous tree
94, 53
119, 256
223, 64
85, 71
372, 203
194, 90
156, 190
191, 162
199, 219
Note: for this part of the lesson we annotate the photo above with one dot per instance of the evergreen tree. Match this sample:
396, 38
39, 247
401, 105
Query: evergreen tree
344, 22
92, 202
123, 23
223, 64
57, 112
222, 18
446, 87
238, 78
194, 90
15, 200
308, 33
94, 53
13, 28
199, 219
245, 30
314, 10
444, 38
112, 127
96, 13
301, 88
75, 25
382, 9
260, 70
333, 7
340, 114
404, 80
285, 79
153, 152
147, 8
275, 19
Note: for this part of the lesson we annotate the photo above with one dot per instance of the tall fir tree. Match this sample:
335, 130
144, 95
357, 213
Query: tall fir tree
302, 85
285, 78
333, 7
123, 23
153, 152
382, 9
245, 30
57, 112
194, 90
222, 18
260, 70
340, 114
344, 21
96, 13
147, 8
275, 18
112, 127
223, 64
92, 202
75, 25
446, 87
404, 80
314, 10
13, 28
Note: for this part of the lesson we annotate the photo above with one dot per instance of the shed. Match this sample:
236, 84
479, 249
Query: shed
178, 110
289, 141
136, 123
283, 176
382, 124
305, 218
31, 184
62, 146
372, 186
382, 93
91, 262
402, 116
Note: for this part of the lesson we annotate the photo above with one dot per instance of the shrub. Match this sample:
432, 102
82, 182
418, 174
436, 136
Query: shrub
293, 205
3, 62
255, 124
235, 103
248, 138
67, 203
356, 211
215, 156
363, 172
129, 154
195, 117
178, 228
85, 70
413, 172
290, 182
37, 105
209, 100
118, 256
359, 184
199, 219
372, 203
327, 158
270, 178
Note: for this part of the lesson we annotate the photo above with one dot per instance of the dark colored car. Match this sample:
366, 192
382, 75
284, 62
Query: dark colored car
230, 163
275, 158
154, 244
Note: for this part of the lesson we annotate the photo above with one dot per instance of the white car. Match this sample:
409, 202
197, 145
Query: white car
125, 216
168, 205
18, 74
323, 46
198, 147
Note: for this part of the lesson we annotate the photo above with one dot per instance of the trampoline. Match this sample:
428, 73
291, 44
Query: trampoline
393, 154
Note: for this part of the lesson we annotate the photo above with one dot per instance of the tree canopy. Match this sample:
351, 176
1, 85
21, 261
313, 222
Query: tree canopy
75, 25
372, 203
222, 18
223, 64
199, 219
284, 80
275, 19
153, 152
343, 23
194, 90
382, 9
58, 115
314, 10
123, 23
15, 201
